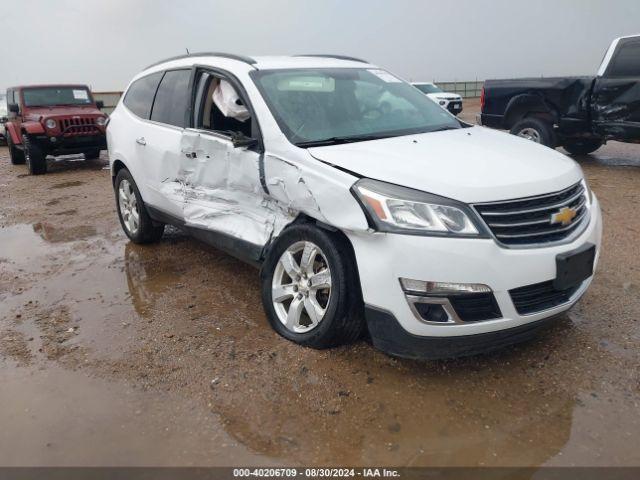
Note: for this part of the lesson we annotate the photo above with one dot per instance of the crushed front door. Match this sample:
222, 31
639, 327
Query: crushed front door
222, 191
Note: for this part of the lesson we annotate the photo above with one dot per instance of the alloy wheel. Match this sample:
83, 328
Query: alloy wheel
128, 205
301, 287
530, 134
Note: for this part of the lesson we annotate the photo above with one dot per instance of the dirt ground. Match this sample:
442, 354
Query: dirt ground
118, 354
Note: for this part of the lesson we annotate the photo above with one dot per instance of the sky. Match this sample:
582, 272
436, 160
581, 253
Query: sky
104, 43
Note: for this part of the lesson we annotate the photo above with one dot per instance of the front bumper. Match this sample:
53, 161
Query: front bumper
385, 258
68, 145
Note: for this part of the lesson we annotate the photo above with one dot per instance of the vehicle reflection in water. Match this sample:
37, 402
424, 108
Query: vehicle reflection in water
55, 234
351, 405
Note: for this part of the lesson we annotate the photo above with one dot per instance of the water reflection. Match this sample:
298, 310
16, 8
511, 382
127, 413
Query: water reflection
351, 405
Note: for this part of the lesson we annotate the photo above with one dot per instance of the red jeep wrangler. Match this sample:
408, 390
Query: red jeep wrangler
53, 120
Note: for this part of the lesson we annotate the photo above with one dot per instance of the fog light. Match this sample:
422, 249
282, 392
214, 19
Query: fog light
432, 312
420, 287
53, 139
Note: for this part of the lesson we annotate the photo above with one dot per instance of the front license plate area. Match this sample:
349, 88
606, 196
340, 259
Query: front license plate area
573, 268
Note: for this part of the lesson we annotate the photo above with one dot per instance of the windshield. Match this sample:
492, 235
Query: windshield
3, 105
51, 96
325, 106
428, 88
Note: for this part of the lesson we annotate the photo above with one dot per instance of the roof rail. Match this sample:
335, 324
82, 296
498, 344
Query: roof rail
240, 58
339, 57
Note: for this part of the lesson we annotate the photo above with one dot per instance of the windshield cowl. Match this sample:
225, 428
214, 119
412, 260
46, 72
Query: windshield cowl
366, 138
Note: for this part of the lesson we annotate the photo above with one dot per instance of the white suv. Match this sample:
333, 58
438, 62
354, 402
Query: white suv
450, 101
366, 205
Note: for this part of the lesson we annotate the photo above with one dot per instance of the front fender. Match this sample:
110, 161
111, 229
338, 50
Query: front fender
33, 128
13, 132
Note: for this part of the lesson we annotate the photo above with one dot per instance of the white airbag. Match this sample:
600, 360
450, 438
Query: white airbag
228, 102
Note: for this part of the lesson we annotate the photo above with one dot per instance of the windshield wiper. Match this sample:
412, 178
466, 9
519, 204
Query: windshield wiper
339, 140
444, 128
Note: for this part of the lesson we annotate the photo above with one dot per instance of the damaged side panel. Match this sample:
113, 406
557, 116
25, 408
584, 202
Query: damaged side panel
321, 192
566, 96
616, 108
221, 190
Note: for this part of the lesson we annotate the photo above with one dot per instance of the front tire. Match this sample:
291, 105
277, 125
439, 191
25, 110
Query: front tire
133, 215
583, 146
16, 155
310, 288
92, 154
537, 130
35, 158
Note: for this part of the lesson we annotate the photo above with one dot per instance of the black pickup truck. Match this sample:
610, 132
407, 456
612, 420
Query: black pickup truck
577, 113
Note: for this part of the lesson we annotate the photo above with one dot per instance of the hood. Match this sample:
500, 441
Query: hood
469, 164
62, 111
444, 96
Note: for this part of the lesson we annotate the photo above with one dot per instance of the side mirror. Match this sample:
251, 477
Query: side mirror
100, 104
14, 108
240, 140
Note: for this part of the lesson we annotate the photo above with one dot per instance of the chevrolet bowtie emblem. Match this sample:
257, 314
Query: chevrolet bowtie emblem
564, 216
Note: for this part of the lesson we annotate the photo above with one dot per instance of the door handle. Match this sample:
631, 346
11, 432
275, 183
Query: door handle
141, 141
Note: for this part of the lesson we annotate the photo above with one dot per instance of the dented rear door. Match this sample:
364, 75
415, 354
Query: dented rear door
616, 94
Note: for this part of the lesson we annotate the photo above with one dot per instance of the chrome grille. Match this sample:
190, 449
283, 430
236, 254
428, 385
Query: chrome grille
78, 126
527, 221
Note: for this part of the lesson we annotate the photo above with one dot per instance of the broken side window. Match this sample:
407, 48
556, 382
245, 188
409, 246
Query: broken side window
222, 108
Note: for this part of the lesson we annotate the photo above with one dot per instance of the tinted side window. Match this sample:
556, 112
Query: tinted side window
172, 99
140, 95
626, 63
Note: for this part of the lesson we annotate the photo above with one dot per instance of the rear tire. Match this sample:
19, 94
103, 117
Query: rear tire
335, 297
537, 130
92, 154
132, 212
35, 158
16, 155
583, 146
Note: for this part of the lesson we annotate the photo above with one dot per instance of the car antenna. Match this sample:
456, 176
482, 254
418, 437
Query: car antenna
187, 51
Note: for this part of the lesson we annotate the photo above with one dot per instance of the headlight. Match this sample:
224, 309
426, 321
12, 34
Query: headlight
102, 121
585, 185
403, 210
50, 123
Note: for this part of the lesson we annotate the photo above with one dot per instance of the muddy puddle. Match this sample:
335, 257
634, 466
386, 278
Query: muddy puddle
57, 417
118, 354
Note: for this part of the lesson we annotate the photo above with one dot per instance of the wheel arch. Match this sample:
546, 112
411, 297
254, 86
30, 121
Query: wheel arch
526, 105
13, 132
305, 219
115, 168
